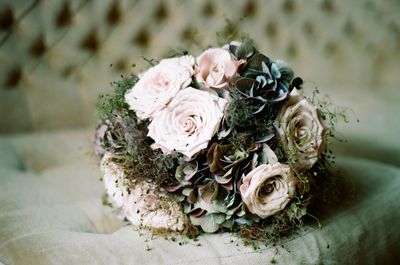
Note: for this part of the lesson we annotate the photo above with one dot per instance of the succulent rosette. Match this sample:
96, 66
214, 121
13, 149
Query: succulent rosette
223, 141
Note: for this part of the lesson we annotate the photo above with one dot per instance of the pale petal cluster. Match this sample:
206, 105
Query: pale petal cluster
188, 123
215, 68
145, 205
159, 85
268, 188
114, 181
148, 206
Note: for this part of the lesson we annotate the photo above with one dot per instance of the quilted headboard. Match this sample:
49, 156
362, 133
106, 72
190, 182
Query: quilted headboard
57, 56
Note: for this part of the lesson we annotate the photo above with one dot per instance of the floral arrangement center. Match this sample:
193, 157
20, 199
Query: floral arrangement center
224, 141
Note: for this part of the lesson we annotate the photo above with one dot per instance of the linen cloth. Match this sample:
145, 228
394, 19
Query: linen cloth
51, 213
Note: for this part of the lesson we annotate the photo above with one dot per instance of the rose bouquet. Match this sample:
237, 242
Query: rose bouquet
221, 142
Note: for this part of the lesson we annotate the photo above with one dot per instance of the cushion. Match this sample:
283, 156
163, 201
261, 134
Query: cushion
51, 213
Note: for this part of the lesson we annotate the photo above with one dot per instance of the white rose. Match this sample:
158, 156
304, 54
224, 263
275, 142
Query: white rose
188, 123
113, 179
267, 189
302, 130
215, 68
148, 206
158, 85
145, 204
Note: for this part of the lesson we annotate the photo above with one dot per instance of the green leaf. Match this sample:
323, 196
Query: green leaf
187, 208
244, 84
224, 133
210, 223
216, 205
275, 71
190, 194
188, 169
244, 221
255, 160
185, 172
267, 156
179, 175
187, 191
229, 199
296, 211
287, 73
244, 51
233, 210
256, 62
195, 220
209, 191
264, 138
228, 223
223, 179
214, 157
239, 154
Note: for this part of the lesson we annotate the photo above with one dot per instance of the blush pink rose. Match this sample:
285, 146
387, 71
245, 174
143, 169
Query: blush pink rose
188, 123
159, 85
215, 68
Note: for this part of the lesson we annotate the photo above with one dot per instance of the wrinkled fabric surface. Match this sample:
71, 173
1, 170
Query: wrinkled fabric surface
51, 213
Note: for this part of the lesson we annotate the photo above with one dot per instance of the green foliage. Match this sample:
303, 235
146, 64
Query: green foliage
108, 105
128, 141
244, 51
247, 127
239, 112
330, 112
318, 184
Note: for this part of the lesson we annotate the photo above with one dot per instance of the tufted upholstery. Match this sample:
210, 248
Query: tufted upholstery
56, 56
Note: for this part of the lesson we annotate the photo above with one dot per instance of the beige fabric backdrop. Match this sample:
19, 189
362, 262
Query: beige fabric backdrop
55, 59
55, 56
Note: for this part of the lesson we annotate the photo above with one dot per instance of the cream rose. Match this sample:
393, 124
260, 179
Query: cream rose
145, 204
302, 130
113, 179
158, 85
267, 189
215, 68
188, 123
148, 206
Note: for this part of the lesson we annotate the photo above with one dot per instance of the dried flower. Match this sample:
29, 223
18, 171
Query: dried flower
268, 188
302, 130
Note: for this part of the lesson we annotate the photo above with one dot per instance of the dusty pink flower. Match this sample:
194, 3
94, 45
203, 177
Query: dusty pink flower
188, 123
158, 85
302, 130
215, 68
267, 189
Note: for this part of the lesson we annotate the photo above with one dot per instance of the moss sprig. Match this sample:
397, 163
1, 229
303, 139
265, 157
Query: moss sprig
126, 138
108, 105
